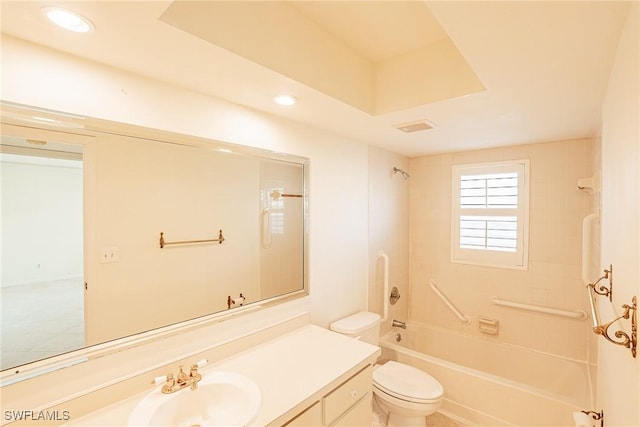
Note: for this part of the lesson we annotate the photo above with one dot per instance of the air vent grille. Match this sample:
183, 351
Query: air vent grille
414, 126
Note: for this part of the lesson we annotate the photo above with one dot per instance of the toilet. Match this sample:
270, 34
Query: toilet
406, 395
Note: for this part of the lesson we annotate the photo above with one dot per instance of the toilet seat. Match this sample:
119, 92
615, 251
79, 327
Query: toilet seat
406, 383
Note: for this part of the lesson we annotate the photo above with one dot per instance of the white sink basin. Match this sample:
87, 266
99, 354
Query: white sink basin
221, 399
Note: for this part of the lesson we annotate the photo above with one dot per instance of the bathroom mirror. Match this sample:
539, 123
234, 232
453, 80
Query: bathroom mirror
112, 230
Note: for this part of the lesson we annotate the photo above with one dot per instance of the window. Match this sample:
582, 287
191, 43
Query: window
490, 220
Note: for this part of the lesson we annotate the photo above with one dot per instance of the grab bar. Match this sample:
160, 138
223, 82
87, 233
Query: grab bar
578, 314
266, 228
385, 304
449, 304
594, 309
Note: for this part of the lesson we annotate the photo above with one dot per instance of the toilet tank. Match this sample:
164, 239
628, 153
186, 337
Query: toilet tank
364, 326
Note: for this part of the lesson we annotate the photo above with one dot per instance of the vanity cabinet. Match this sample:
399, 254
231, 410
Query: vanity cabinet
349, 404
308, 377
310, 417
358, 415
340, 401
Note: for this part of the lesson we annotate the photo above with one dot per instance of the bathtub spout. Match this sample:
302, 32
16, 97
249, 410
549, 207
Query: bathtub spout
398, 324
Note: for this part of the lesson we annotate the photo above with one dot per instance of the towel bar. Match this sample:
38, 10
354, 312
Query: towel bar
164, 243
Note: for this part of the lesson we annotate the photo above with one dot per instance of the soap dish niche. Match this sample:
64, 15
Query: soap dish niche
488, 326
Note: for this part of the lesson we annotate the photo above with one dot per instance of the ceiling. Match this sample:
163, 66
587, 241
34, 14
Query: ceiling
484, 74
377, 30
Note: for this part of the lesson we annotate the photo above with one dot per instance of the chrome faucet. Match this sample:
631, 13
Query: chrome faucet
398, 324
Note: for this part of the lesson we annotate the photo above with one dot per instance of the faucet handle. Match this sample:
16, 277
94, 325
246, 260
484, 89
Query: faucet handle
159, 380
168, 386
163, 379
194, 370
194, 375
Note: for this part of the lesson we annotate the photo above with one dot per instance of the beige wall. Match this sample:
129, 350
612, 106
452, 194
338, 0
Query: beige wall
35, 196
388, 231
618, 372
141, 188
553, 278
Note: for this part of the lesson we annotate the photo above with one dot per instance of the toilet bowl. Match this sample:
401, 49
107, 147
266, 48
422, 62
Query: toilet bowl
405, 395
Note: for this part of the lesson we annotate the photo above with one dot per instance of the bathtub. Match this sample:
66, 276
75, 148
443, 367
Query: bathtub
488, 383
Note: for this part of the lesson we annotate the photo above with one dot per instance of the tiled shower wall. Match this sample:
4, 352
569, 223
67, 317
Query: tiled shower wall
553, 278
388, 231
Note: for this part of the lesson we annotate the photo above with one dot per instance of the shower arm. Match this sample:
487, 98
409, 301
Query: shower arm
404, 174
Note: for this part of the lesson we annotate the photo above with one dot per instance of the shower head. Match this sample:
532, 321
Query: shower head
405, 175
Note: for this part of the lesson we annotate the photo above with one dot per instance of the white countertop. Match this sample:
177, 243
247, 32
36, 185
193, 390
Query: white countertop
288, 370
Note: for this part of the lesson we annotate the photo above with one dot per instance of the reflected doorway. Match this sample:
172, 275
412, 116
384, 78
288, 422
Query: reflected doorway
41, 260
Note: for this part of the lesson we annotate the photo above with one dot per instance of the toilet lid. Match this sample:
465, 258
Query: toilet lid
406, 382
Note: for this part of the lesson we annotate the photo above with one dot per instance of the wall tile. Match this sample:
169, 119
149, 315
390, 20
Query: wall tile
557, 208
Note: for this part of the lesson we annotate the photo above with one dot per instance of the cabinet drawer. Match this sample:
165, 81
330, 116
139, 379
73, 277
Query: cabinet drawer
310, 417
358, 416
348, 394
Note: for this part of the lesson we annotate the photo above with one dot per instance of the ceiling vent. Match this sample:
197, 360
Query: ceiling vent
414, 126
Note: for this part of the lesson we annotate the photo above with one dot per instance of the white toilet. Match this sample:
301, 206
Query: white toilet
406, 394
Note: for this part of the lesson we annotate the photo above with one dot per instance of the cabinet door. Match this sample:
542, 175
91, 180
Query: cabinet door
348, 394
361, 415
310, 417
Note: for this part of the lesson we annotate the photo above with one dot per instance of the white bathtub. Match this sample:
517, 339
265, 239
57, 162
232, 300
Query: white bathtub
493, 384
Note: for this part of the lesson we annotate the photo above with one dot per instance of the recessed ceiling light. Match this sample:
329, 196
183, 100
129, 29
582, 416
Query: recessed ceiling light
285, 100
68, 20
